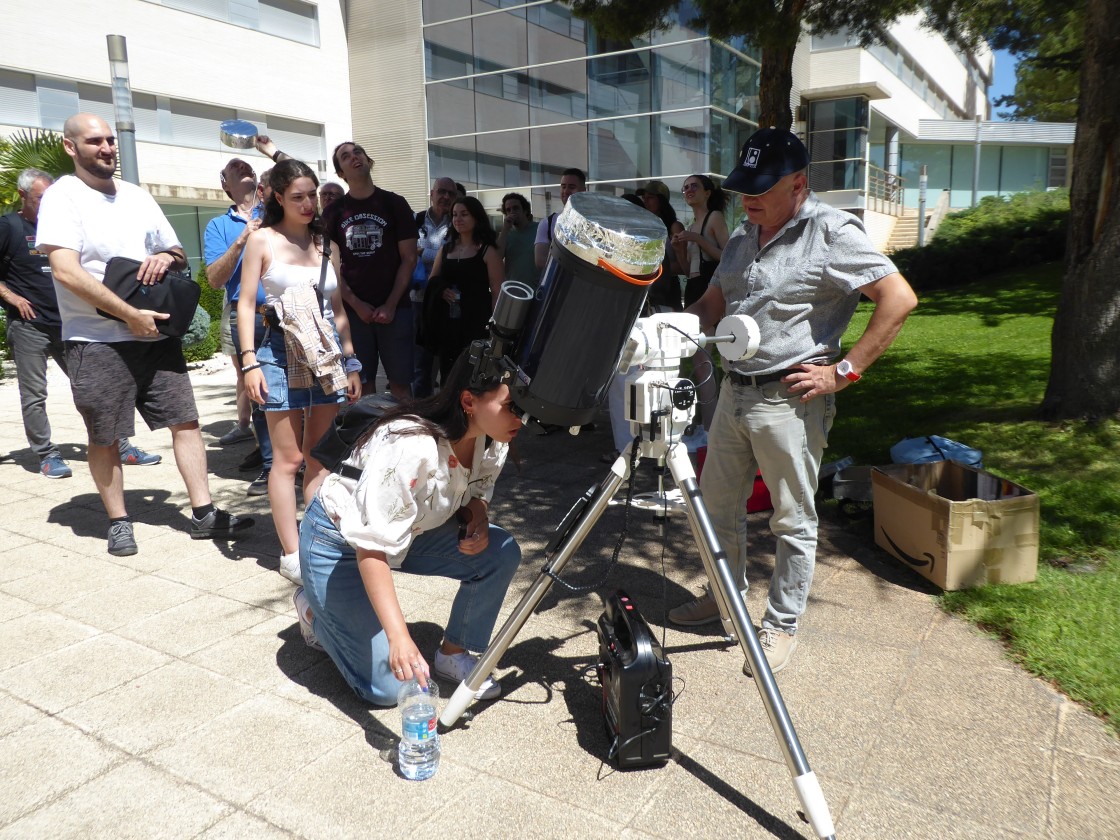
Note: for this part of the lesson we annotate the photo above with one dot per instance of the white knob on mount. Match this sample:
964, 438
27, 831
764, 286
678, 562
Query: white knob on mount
746, 334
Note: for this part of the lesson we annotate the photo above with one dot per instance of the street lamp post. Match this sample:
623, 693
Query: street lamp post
122, 107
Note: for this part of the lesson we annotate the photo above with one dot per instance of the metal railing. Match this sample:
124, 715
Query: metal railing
885, 191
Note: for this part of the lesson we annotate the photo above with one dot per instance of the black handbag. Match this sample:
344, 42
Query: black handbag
175, 294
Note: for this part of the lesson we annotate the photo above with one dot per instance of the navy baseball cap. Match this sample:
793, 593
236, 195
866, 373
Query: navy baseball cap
768, 156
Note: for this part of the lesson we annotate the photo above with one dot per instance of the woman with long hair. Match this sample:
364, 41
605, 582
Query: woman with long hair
428, 469
698, 249
665, 293
700, 245
285, 256
466, 277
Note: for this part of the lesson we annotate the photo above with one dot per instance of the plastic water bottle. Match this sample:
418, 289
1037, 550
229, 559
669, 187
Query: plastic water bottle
455, 311
418, 753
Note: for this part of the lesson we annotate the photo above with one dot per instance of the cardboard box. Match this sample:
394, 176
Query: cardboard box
958, 526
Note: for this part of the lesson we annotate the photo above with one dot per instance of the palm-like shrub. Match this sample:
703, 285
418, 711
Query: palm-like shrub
37, 148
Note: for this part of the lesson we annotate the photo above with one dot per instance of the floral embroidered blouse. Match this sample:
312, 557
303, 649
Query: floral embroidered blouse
410, 484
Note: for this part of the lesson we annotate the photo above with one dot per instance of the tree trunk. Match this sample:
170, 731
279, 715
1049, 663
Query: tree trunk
1085, 367
775, 82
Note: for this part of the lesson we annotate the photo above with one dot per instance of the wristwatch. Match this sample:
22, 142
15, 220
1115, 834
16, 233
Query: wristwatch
845, 369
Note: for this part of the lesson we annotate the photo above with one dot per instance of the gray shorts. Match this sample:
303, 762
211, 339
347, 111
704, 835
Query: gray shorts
110, 382
227, 336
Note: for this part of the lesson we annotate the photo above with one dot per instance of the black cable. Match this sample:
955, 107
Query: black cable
577, 588
700, 348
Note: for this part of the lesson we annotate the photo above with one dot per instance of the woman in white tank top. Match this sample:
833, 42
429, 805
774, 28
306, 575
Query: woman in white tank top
286, 252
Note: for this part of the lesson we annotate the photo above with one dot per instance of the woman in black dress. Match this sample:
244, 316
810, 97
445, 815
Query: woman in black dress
466, 277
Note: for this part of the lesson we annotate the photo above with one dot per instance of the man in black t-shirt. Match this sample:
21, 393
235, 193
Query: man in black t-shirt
375, 231
34, 325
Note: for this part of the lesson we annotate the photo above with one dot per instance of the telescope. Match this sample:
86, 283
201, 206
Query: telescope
558, 348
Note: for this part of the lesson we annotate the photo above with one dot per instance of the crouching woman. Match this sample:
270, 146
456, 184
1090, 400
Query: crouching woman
421, 463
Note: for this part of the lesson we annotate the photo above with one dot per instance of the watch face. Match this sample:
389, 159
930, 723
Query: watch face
844, 367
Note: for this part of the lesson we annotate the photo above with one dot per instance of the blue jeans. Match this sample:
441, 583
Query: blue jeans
345, 622
767, 428
31, 344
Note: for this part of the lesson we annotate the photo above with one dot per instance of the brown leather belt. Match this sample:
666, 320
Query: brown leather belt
747, 381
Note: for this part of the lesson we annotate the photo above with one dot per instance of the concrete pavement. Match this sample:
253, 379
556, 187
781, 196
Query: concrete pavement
169, 694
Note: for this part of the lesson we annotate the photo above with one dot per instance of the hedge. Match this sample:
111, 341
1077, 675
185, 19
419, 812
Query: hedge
998, 234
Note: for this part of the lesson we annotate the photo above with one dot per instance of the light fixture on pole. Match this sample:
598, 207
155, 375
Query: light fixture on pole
122, 107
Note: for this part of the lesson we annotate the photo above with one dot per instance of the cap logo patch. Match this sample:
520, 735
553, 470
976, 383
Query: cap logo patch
751, 159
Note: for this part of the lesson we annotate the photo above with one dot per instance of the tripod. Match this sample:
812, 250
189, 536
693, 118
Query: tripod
655, 396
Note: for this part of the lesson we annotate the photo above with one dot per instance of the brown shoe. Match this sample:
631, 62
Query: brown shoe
778, 648
702, 610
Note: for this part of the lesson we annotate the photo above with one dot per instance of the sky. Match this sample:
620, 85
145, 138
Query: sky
1004, 81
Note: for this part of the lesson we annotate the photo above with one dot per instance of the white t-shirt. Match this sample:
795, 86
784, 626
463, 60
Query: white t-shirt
99, 227
410, 484
543, 237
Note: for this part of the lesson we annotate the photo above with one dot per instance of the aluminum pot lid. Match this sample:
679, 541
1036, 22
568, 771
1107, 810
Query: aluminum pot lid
595, 225
238, 134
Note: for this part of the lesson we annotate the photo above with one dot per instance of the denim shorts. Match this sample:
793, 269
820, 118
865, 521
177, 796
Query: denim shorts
274, 365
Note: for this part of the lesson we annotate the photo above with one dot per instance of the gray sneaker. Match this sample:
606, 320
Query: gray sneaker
702, 610
122, 542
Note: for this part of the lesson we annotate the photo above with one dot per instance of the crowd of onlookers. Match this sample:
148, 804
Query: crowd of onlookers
326, 284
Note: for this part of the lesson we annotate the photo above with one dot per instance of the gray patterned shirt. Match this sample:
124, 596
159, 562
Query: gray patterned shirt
802, 287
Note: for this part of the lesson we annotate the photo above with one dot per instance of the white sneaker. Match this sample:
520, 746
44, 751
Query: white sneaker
303, 613
458, 666
289, 568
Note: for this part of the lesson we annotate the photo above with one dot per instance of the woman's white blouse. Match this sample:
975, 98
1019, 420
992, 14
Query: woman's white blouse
410, 484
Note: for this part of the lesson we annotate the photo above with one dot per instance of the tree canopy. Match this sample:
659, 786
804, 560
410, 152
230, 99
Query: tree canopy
774, 27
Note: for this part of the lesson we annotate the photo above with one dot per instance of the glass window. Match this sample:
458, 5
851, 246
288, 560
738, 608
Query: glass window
621, 148
619, 84
828, 114
449, 50
554, 149
19, 102
450, 110
545, 44
680, 75
454, 158
938, 160
503, 159
196, 123
98, 99
500, 41
302, 140
836, 175
964, 162
58, 101
1024, 168
682, 146
726, 138
437, 10
558, 93
289, 19
494, 110
839, 39
734, 83
837, 145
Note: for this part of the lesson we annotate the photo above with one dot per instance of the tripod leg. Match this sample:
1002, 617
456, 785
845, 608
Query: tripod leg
727, 595
579, 523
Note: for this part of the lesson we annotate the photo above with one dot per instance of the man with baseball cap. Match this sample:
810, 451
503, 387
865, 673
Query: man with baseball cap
798, 268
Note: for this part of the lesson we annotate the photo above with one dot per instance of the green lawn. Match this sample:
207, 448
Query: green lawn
971, 364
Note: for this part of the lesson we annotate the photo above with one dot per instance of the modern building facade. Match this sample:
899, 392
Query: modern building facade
280, 64
503, 95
